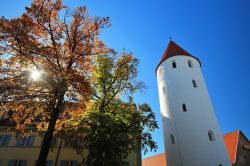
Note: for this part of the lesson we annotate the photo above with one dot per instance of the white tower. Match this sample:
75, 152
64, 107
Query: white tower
192, 135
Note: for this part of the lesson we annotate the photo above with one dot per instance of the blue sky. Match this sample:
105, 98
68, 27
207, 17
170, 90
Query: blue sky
216, 32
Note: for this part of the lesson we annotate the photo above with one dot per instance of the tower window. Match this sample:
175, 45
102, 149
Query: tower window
190, 64
174, 64
220, 164
211, 135
194, 84
184, 108
164, 90
172, 139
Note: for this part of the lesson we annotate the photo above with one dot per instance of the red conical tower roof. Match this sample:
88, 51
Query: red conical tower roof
174, 49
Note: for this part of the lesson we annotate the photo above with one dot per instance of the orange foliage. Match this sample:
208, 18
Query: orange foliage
61, 44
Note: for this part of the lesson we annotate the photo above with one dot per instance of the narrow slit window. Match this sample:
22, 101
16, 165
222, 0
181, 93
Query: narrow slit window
164, 90
172, 139
194, 84
184, 108
211, 135
174, 64
190, 64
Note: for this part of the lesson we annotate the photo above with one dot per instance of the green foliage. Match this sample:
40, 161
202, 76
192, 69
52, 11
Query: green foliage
113, 125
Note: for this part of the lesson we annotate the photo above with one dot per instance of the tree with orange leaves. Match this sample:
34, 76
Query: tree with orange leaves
46, 58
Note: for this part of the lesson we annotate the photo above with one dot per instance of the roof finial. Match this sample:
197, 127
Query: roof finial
170, 38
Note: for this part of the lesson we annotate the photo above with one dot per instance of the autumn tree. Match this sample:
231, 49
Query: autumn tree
113, 124
59, 45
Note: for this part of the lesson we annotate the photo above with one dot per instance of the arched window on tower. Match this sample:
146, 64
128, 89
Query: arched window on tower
172, 139
211, 135
184, 108
190, 64
194, 84
173, 64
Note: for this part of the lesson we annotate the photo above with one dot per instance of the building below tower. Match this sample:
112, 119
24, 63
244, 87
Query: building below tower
24, 151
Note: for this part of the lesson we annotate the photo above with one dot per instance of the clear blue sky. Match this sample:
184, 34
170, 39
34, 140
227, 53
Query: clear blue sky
216, 32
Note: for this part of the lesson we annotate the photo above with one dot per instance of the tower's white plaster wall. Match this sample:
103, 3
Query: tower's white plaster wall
190, 129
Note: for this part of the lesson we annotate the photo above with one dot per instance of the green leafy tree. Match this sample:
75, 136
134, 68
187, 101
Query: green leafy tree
113, 125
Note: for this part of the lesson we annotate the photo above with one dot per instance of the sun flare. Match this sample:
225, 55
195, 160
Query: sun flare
35, 75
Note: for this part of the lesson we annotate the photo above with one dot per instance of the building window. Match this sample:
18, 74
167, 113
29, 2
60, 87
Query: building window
26, 140
194, 84
173, 64
190, 64
184, 108
5, 139
220, 164
17, 163
211, 135
68, 163
48, 163
69, 142
172, 139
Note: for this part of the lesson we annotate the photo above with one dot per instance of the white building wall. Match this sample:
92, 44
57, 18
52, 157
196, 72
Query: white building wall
190, 129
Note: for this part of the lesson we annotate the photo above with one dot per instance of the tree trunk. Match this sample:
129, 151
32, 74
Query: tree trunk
49, 133
48, 139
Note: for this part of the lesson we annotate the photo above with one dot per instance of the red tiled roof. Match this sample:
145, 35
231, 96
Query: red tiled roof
174, 49
157, 160
231, 141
